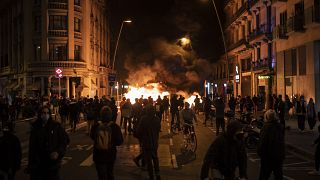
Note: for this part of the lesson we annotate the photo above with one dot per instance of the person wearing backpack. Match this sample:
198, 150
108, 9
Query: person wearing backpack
106, 136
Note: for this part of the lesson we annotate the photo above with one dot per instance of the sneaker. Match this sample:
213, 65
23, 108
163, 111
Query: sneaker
314, 172
136, 162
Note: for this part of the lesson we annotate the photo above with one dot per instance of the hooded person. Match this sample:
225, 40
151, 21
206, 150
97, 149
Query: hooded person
226, 153
47, 146
271, 148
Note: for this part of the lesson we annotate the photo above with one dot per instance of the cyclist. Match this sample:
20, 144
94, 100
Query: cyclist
188, 116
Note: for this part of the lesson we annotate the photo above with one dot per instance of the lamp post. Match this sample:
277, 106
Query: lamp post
223, 38
117, 43
186, 41
115, 50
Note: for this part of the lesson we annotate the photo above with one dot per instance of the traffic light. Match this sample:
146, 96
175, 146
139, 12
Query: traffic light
59, 72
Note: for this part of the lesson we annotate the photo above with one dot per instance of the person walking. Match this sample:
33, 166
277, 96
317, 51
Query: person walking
219, 104
47, 146
10, 154
174, 109
106, 135
271, 148
127, 112
316, 142
281, 108
226, 153
311, 114
207, 111
301, 113
148, 131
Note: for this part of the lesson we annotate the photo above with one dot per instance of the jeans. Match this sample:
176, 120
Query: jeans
152, 162
268, 167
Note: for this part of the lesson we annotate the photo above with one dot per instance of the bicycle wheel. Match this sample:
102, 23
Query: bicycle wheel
192, 143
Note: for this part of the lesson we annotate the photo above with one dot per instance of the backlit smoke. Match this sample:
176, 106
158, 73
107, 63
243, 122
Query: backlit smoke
168, 63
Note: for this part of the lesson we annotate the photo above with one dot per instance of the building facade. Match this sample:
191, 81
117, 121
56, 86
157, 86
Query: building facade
297, 41
38, 36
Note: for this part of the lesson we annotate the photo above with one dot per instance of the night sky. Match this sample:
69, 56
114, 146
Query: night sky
168, 20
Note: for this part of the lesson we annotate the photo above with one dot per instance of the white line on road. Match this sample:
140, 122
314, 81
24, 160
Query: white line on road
171, 142
288, 178
168, 124
290, 164
169, 132
88, 148
254, 160
174, 161
88, 161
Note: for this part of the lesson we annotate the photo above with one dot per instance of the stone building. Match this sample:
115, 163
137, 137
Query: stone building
38, 36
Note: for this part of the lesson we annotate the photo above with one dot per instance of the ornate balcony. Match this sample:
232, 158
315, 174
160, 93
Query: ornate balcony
237, 44
54, 64
5, 70
261, 64
240, 11
77, 8
280, 32
77, 35
54, 5
296, 24
58, 33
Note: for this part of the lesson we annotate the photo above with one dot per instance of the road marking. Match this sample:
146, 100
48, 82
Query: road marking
174, 161
254, 160
298, 168
288, 178
290, 164
171, 142
88, 161
168, 124
90, 147
169, 131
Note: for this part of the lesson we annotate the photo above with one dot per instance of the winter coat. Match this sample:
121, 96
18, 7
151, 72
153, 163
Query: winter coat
225, 154
311, 112
148, 131
10, 152
187, 115
104, 156
219, 108
272, 146
43, 141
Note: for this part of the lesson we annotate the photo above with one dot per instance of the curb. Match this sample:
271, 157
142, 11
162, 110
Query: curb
299, 151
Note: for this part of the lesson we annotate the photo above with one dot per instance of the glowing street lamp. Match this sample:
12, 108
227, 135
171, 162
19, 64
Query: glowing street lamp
185, 42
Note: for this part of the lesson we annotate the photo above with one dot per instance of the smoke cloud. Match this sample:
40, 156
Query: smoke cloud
169, 63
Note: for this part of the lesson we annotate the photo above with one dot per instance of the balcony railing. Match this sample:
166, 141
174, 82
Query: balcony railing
260, 64
295, 23
77, 35
240, 11
312, 15
58, 33
58, 1
237, 44
77, 8
5, 70
280, 32
54, 5
62, 64
261, 30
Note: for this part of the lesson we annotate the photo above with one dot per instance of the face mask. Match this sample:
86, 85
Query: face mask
45, 117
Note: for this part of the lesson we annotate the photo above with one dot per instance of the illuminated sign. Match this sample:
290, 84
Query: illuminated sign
59, 72
237, 74
263, 77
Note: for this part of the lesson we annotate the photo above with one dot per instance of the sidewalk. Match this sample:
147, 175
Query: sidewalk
300, 142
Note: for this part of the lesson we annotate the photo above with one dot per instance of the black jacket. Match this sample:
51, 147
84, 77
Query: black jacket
225, 154
10, 152
103, 156
43, 141
272, 146
148, 131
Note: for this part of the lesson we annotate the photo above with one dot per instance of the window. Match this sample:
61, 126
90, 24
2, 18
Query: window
37, 24
302, 60
290, 60
77, 24
58, 23
283, 18
77, 53
77, 2
37, 52
58, 52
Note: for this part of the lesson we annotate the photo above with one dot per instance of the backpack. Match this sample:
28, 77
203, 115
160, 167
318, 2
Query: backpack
103, 136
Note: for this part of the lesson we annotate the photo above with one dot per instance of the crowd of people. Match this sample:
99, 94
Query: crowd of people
49, 141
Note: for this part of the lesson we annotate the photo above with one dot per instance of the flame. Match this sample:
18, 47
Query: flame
154, 90
150, 90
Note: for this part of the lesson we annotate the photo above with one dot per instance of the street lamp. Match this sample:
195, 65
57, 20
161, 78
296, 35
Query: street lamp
116, 48
185, 42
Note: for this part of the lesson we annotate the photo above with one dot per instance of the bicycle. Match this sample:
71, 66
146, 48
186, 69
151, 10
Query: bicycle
189, 138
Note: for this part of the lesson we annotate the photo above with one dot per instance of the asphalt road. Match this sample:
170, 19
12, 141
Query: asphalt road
174, 164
